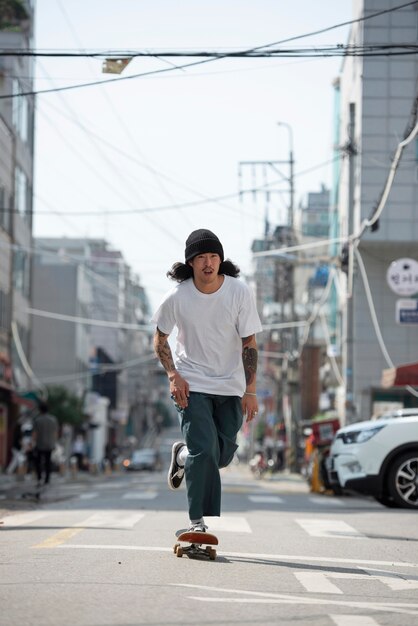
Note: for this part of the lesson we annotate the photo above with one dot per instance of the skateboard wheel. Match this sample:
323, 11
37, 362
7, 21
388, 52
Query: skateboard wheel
179, 551
212, 554
176, 545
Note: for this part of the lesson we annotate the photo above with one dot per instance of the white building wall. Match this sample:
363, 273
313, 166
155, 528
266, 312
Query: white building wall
382, 91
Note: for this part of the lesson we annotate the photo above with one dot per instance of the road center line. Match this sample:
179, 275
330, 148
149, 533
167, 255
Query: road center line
59, 538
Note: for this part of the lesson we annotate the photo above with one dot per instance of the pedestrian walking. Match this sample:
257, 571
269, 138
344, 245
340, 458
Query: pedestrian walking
45, 435
212, 376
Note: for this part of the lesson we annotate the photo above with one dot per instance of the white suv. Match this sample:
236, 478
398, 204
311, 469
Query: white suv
379, 458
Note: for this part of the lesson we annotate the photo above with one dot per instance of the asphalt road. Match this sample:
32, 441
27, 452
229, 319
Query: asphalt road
102, 554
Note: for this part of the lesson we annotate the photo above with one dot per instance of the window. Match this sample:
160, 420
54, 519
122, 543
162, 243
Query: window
4, 210
21, 271
20, 112
4, 310
21, 195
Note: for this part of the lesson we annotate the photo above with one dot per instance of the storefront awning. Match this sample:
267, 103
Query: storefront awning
400, 376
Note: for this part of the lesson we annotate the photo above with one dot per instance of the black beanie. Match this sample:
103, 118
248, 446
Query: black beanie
201, 241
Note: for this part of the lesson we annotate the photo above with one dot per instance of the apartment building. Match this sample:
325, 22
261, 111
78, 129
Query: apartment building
16, 182
85, 279
377, 96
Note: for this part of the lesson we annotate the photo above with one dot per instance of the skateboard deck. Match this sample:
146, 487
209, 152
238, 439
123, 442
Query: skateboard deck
36, 494
194, 542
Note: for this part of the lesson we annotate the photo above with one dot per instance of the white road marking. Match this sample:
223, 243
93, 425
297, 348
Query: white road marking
259, 597
353, 620
228, 523
140, 495
396, 582
266, 499
251, 555
88, 496
329, 528
20, 519
119, 485
110, 519
327, 501
316, 582
98, 546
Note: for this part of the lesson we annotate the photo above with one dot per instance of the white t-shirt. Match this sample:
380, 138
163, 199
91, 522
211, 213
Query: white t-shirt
210, 327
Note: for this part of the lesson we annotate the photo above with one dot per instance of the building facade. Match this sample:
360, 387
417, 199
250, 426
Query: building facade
16, 184
377, 98
85, 279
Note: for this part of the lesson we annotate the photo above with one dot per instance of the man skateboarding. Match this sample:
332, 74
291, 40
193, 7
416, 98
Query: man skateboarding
212, 376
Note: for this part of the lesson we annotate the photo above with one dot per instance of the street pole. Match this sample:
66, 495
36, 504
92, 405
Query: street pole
291, 175
291, 399
350, 149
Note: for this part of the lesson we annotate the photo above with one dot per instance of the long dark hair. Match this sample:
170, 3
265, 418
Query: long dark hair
182, 271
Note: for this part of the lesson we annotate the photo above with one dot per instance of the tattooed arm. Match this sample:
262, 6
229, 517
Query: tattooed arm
179, 388
249, 359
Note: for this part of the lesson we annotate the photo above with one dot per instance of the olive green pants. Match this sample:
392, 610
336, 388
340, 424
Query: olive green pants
209, 425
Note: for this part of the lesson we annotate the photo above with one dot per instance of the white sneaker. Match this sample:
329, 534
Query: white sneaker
176, 471
197, 527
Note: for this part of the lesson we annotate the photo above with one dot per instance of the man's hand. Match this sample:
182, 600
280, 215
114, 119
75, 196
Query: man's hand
249, 407
179, 389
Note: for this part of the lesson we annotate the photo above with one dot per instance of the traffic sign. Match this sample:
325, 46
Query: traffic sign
402, 277
407, 311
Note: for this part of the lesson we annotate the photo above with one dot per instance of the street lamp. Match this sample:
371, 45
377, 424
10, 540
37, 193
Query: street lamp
291, 177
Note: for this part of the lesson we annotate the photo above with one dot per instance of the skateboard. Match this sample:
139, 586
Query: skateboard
195, 541
35, 495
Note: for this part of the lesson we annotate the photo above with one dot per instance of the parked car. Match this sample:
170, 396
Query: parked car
144, 459
378, 458
398, 413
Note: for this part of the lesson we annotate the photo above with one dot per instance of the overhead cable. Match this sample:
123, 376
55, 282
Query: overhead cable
211, 59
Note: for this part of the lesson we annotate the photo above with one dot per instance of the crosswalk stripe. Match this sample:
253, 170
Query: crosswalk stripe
88, 496
349, 620
111, 519
266, 499
20, 519
316, 582
229, 524
327, 501
329, 528
140, 495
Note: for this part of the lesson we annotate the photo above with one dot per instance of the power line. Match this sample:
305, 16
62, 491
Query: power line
181, 205
211, 58
338, 50
87, 321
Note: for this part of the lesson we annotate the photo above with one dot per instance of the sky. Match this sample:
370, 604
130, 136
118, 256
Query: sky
145, 161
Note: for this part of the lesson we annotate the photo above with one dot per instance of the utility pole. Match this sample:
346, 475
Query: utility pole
351, 151
291, 401
283, 291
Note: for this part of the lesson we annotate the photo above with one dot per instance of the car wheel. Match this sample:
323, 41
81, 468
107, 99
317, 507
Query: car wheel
403, 480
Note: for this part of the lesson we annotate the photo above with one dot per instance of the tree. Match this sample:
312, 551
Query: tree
65, 405
13, 15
